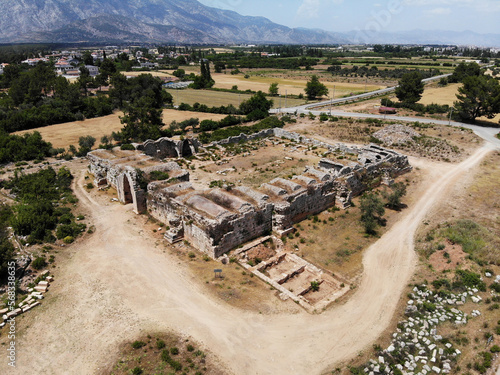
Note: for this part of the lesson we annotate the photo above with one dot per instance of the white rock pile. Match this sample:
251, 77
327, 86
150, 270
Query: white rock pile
416, 348
31, 301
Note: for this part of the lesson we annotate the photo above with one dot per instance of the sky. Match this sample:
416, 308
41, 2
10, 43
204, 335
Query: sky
481, 16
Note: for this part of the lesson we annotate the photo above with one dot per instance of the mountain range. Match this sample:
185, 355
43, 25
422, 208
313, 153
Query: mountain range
177, 21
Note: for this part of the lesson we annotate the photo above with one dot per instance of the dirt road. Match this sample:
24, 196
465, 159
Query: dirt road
119, 283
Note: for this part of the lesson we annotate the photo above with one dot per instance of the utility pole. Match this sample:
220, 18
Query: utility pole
331, 105
451, 112
286, 95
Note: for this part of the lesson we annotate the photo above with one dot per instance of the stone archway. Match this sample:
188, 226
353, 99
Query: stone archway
127, 191
186, 149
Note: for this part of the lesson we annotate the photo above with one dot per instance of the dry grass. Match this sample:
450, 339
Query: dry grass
446, 143
161, 74
63, 135
253, 163
219, 98
262, 82
471, 200
148, 358
237, 288
447, 95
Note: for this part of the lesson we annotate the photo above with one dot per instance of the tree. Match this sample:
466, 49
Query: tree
315, 88
87, 58
410, 88
394, 198
142, 121
219, 67
204, 80
464, 70
273, 89
179, 73
85, 79
372, 210
479, 96
6, 249
257, 107
86, 143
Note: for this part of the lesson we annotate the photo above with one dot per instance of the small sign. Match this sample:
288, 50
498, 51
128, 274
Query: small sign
218, 273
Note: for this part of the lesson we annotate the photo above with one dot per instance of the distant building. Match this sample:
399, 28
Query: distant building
2, 67
33, 62
93, 70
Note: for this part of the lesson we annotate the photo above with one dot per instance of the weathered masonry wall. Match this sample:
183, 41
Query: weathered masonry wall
218, 220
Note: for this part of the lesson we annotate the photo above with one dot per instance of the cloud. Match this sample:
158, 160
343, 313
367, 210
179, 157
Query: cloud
309, 9
439, 12
477, 5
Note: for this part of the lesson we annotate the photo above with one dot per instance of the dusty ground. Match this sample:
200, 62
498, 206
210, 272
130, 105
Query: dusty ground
63, 135
452, 144
120, 282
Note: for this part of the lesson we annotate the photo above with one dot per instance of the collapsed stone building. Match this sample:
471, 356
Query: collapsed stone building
220, 219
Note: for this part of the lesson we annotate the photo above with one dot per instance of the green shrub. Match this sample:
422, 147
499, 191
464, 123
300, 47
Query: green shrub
138, 344
136, 371
174, 351
158, 176
127, 147
160, 344
68, 239
190, 348
39, 263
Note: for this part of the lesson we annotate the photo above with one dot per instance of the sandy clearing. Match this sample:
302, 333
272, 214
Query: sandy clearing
63, 135
118, 283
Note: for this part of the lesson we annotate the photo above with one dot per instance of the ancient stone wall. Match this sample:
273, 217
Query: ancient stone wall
164, 148
218, 220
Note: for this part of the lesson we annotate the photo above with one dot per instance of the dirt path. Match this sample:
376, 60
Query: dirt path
119, 283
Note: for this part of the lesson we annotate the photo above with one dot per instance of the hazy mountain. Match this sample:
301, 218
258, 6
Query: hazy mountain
185, 21
141, 20
427, 37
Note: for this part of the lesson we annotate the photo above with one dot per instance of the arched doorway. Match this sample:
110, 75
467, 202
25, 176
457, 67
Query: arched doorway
186, 149
127, 191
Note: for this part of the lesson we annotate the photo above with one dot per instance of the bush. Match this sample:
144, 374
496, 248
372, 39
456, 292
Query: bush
138, 344
160, 344
314, 286
136, 371
190, 348
127, 146
39, 263
68, 239
174, 351
158, 176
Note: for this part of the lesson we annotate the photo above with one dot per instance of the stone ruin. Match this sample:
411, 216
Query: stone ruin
218, 220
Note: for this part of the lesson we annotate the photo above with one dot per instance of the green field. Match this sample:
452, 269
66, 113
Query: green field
219, 98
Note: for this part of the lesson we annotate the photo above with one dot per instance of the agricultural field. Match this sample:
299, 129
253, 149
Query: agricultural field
294, 86
447, 95
135, 73
220, 98
63, 135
